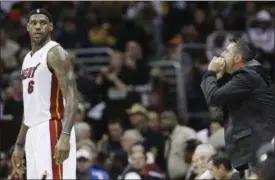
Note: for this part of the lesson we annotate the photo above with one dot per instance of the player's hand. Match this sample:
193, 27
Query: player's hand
217, 65
17, 159
62, 149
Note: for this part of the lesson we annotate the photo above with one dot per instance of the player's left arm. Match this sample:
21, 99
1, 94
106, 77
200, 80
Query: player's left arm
59, 61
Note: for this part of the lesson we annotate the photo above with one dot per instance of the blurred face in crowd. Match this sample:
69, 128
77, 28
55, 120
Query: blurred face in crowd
218, 172
79, 116
168, 120
200, 163
70, 26
17, 87
138, 160
83, 164
126, 144
133, 50
39, 28
199, 16
137, 120
232, 60
153, 121
138, 148
115, 131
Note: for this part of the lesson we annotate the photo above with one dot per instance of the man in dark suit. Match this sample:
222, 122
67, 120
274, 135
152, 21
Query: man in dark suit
248, 97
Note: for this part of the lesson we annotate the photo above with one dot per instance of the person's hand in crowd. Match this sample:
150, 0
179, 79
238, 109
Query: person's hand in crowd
111, 76
17, 159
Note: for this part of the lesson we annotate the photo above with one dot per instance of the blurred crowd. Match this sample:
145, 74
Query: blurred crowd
124, 128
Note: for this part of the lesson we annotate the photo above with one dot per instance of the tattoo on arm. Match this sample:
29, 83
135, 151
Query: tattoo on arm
60, 62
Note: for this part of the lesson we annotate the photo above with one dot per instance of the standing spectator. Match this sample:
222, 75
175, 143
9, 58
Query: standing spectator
222, 168
249, 99
156, 139
177, 137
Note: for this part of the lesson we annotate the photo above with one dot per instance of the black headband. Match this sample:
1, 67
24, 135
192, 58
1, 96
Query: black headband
41, 11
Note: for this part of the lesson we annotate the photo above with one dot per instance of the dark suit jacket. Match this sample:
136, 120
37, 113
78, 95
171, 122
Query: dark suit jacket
251, 106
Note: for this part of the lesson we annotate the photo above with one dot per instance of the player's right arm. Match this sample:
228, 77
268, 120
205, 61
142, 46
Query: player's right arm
18, 153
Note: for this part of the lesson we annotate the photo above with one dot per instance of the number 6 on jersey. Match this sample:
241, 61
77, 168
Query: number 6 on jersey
30, 86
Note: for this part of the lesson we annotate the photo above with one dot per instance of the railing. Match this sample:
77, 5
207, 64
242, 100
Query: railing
173, 74
92, 58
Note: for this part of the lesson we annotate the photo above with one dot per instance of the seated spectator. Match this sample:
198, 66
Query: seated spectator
86, 166
200, 161
138, 118
189, 150
221, 167
265, 163
141, 170
82, 131
80, 115
129, 138
178, 135
111, 143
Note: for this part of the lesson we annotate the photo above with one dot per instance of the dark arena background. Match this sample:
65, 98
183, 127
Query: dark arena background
137, 63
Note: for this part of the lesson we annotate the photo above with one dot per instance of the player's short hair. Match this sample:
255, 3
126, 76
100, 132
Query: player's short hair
222, 158
245, 48
40, 11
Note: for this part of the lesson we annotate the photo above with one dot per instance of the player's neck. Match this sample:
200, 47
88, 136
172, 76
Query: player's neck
36, 47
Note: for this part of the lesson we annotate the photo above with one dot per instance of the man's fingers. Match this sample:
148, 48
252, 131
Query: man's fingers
63, 156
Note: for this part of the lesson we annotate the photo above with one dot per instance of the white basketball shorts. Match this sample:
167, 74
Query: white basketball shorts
40, 145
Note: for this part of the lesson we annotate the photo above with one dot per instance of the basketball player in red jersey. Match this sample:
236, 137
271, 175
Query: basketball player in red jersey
50, 102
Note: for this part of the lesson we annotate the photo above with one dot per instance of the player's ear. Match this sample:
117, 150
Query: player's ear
28, 27
51, 26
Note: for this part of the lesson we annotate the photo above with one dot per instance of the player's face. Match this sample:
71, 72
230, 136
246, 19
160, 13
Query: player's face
39, 28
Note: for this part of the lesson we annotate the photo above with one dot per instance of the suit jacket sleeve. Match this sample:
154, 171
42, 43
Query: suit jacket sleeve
235, 89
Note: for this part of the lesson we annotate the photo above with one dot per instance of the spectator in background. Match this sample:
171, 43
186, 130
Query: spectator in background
129, 138
138, 118
80, 115
9, 51
189, 150
141, 170
221, 167
111, 143
13, 105
200, 161
156, 139
265, 163
87, 166
82, 131
70, 37
178, 135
